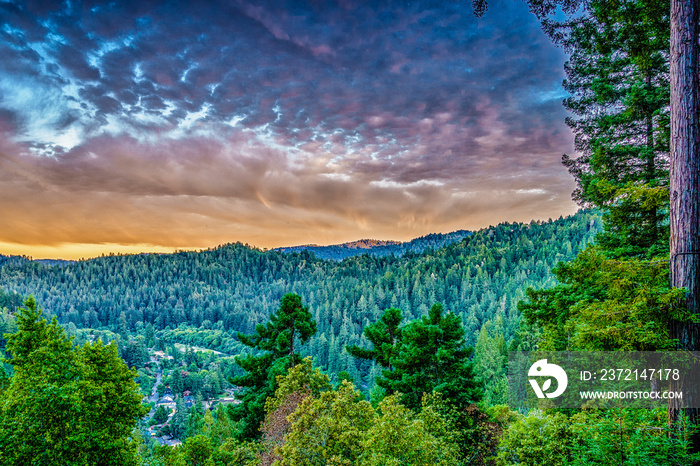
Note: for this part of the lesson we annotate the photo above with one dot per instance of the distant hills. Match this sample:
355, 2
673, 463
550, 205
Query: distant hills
378, 248
373, 247
204, 298
18, 260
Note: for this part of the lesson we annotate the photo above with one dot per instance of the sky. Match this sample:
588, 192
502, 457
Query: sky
154, 126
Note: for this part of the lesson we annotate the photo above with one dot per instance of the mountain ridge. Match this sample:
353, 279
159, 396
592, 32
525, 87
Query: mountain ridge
375, 247
379, 248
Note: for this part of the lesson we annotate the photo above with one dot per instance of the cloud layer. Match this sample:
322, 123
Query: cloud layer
177, 125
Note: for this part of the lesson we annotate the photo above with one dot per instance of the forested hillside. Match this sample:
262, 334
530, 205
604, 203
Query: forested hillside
205, 297
380, 353
380, 248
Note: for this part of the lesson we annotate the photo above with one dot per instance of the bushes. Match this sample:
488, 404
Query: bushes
627, 436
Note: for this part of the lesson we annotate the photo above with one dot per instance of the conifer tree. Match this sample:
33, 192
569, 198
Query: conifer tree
433, 357
178, 423
222, 428
617, 78
491, 361
424, 356
384, 335
274, 343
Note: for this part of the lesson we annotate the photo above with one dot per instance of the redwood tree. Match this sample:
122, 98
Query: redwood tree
685, 173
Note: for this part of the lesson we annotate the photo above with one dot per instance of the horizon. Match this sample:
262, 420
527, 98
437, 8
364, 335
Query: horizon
128, 128
264, 249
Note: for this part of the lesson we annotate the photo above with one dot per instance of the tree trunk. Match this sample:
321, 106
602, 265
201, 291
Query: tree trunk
685, 171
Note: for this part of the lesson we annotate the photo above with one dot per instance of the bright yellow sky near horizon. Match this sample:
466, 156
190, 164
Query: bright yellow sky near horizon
77, 251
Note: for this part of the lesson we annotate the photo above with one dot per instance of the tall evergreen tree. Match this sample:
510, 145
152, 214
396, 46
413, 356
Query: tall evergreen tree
274, 344
490, 362
424, 356
685, 183
384, 335
433, 357
617, 77
178, 423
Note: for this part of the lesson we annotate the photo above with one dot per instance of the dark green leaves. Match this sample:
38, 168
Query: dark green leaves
424, 356
275, 355
383, 335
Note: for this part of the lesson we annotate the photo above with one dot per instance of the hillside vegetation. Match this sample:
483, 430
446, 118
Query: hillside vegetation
204, 298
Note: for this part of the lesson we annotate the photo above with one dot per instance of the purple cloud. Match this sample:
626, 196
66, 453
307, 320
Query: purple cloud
383, 120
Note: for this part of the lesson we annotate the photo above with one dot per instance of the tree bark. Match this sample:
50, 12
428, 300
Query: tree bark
685, 171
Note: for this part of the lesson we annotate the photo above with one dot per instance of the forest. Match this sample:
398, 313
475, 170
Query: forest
237, 355
205, 298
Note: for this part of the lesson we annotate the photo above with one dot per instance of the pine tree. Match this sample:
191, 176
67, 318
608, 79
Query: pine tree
490, 362
384, 335
618, 81
274, 343
432, 356
161, 415
195, 422
178, 423
222, 428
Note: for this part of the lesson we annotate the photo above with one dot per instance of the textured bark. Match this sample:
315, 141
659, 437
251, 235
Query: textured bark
685, 142
685, 171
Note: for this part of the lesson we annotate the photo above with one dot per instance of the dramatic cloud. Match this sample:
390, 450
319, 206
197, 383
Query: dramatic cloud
180, 125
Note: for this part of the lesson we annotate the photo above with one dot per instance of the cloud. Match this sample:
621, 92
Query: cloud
179, 125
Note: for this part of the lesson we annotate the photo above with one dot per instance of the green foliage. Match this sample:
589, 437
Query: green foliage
627, 437
10, 302
537, 439
624, 437
109, 403
603, 304
337, 427
275, 343
197, 450
327, 429
618, 85
491, 362
65, 404
301, 382
384, 336
178, 423
222, 429
300, 378
195, 422
428, 354
618, 80
400, 437
236, 453
134, 353
161, 414
380, 248
204, 298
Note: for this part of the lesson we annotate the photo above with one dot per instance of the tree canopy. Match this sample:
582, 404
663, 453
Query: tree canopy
65, 404
274, 344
